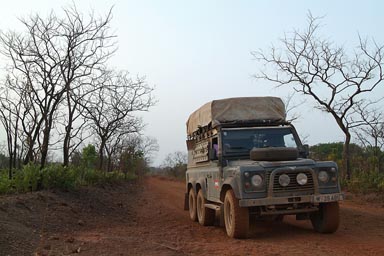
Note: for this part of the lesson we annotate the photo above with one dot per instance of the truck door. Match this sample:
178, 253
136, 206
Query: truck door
213, 184
213, 176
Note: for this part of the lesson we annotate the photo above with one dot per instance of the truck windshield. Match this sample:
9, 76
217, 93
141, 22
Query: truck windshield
238, 142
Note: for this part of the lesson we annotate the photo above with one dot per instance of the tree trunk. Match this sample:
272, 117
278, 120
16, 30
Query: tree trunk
29, 156
15, 144
346, 156
31, 141
109, 167
44, 147
10, 167
10, 152
68, 128
101, 154
376, 153
66, 144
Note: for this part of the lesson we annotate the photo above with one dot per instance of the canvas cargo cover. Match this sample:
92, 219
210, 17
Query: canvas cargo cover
236, 109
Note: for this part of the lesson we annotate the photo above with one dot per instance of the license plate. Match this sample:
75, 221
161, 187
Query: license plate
328, 198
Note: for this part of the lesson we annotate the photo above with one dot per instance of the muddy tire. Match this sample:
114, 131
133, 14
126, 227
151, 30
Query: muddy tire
326, 220
274, 154
205, 216
236, 218
192, 204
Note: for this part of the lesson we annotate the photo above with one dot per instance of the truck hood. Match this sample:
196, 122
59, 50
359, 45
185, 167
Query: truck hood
269, 164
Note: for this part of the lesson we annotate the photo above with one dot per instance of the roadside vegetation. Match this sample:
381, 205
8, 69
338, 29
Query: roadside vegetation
367, 166
58, 94
82, 171
174, 166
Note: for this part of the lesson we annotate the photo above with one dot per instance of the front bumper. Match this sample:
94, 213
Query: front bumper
314, 199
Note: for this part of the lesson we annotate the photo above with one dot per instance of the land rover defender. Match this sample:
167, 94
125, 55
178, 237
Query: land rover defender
246, 161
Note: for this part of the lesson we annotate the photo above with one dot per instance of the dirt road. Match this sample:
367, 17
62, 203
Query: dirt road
121, 221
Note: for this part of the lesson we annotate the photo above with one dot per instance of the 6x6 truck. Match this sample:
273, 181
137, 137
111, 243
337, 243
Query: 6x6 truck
246, 161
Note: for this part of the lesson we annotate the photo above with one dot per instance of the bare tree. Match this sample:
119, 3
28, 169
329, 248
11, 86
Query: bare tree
35, 60
111, 108
292, 106
10, 109
113, 146
88, 45
318, 68
371, 133
133, 153
149, 146
19, 114
175, 163
54, 58
175, 159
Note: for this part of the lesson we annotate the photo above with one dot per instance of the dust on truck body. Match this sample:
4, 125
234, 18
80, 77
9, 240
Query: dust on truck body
246, 161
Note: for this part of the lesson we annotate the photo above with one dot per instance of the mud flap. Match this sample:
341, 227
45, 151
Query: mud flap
186, 203
222, 224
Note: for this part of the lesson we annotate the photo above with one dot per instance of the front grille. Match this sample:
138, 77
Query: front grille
293, 189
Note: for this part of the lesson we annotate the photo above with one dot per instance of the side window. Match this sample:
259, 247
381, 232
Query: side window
215, 149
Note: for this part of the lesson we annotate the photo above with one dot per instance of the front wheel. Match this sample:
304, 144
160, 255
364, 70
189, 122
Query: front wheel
236, 218
326, 220
205, 216
192, 204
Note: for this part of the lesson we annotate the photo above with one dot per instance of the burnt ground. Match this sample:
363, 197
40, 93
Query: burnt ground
147, 218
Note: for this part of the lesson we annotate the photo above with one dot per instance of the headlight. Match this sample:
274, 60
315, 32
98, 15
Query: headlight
302, 179
323, 176
257, 180
284, 180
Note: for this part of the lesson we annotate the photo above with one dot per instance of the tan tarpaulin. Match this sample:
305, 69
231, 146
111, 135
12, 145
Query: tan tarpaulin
236, 109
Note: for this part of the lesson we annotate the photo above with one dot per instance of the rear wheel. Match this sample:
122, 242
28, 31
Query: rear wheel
326, 220
192, 204
206, 216
236, 218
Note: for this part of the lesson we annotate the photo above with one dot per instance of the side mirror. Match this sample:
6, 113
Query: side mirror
304, 150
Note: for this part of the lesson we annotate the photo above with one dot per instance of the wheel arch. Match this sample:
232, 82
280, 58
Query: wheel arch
201, 184
189, 186
197, 185
228, 184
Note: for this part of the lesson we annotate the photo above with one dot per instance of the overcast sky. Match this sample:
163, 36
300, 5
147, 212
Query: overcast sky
197, 51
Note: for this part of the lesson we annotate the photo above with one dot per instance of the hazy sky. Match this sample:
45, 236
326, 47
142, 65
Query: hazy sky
197, 51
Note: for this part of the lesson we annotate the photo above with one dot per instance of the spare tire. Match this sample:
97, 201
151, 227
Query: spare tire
274, 154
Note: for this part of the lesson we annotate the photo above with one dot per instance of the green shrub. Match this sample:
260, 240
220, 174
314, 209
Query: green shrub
31, 178
27, 179
129, 176
89, 156
91, 176
57, 176
5, 183
365, 182
114, 176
